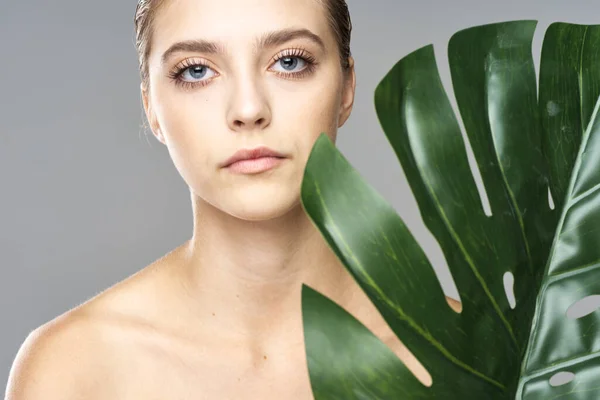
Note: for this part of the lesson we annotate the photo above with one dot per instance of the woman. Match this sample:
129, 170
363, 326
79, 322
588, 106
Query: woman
219, 317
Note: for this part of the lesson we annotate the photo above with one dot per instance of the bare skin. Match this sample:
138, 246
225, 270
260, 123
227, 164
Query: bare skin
219, 317
135, 340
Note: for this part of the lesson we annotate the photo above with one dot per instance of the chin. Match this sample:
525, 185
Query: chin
262, 205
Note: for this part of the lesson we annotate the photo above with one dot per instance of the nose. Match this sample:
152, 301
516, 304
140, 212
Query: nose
249, 108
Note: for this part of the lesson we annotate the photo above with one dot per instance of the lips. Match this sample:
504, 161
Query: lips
251, 154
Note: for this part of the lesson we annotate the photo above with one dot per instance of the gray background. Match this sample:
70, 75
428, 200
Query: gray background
86, 199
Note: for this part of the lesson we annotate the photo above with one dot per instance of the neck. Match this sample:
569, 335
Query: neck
245, 277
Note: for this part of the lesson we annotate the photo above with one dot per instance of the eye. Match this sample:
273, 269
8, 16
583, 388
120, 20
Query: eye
195, 73
192, 73
295, 63
290, 64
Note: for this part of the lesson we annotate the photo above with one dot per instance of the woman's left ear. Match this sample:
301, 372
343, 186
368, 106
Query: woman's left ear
347, 93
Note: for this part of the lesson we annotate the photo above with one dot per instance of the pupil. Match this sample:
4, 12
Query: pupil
289, 62
197, 72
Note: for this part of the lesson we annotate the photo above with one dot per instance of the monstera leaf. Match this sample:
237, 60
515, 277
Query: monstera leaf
524, 148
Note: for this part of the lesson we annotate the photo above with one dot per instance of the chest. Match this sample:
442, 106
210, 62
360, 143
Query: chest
204, 375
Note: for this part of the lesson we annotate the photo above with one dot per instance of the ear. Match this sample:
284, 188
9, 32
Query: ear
150, 115
348, 93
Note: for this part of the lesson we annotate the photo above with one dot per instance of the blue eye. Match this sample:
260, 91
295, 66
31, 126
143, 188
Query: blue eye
194, 73
289, 63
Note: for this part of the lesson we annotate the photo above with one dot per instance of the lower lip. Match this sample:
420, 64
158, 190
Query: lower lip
256, 165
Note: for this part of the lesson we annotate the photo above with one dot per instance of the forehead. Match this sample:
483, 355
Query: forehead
235, 22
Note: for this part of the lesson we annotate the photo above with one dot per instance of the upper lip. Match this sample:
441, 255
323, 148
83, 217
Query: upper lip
249, 154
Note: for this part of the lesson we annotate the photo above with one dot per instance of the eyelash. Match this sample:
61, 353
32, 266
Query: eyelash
300, 53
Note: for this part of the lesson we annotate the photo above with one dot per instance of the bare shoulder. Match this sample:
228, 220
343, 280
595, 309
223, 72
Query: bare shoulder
82, 353
62, 359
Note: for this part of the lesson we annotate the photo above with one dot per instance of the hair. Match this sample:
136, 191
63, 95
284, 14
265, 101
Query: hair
146, 10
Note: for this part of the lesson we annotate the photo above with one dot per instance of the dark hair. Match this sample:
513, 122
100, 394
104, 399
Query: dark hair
339, 21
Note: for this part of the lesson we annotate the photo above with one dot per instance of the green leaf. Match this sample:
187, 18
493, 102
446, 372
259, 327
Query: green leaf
569, 87
522, 146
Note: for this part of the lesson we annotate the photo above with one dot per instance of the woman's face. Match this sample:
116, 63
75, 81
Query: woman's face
207, 102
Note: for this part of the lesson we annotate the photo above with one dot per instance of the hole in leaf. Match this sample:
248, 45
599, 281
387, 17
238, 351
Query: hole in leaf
446, 78
583, 307
456, 305
389, 338
412, 363
561, 378
550, 199
509, 284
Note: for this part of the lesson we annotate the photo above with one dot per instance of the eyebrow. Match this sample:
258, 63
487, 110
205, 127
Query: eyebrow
267, 40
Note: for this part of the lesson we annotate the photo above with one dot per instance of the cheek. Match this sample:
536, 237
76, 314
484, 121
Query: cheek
191, 136
314, 110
